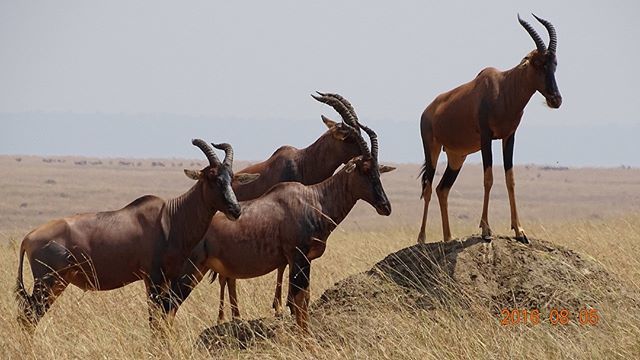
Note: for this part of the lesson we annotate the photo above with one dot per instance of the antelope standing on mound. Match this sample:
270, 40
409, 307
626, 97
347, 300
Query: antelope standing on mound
467, 118
308, 166
147, 240
289, 225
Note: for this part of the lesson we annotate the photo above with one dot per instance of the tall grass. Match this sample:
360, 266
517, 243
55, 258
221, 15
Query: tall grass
114, 324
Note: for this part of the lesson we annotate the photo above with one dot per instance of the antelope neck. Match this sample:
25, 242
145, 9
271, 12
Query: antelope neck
319, 160
189, 216
336, 196
516, 89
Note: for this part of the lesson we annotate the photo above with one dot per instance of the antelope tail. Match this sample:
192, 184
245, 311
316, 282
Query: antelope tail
22, 297
423, 176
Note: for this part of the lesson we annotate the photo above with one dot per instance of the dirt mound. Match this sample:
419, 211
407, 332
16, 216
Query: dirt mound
499, 274
465, 274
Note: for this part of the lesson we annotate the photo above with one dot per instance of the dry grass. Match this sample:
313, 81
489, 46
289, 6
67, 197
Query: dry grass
593, 211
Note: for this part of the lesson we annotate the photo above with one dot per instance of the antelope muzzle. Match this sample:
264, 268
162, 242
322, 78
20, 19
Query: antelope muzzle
384, 208
233, 212
554, 101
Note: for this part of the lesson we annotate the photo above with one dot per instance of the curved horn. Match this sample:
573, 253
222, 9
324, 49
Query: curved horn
338, 106
374, 140
553, 38
536, 38
357, 124
207, 150
228, 153
364, 148
346, 104
351, 119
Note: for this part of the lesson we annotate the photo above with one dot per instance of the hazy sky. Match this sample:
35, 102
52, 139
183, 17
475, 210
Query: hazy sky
141, 78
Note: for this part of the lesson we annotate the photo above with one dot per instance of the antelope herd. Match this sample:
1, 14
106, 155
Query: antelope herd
279, 212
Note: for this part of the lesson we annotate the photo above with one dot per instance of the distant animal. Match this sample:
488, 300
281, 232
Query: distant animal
308, 166
289, 225
467, 118
147, 240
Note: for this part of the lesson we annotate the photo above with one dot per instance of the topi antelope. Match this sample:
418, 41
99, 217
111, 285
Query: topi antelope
149, 239
467, 118
289, 225
308, 166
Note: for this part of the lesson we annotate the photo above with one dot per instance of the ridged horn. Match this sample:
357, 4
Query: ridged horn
357, 124
362, 143
374, 140
353, 118
207, 150
553, 38
228, 153
536, 38
339, 107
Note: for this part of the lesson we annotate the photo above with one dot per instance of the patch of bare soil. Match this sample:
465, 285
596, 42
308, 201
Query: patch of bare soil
464, 274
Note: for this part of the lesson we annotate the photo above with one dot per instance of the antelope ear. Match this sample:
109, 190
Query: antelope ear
244, 178
330, 123
339, 132
385, 168
193, 174
350, 166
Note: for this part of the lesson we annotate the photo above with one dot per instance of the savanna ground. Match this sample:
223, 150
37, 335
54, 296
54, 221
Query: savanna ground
594, 212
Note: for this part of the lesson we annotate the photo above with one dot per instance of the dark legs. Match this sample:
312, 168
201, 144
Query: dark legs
448, 178
191, 274
507, 153
299, 276
158, 301
45, 292
48, 284
487, 163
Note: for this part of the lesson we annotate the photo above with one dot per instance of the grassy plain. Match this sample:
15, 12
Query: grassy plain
595, 212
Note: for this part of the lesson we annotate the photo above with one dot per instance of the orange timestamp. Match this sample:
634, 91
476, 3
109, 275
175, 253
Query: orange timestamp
584, 316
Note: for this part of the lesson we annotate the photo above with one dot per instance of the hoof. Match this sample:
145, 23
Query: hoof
523, 239
487, 238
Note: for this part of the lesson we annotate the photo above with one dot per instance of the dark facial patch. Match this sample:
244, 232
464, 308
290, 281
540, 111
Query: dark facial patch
222, 182
551, 85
